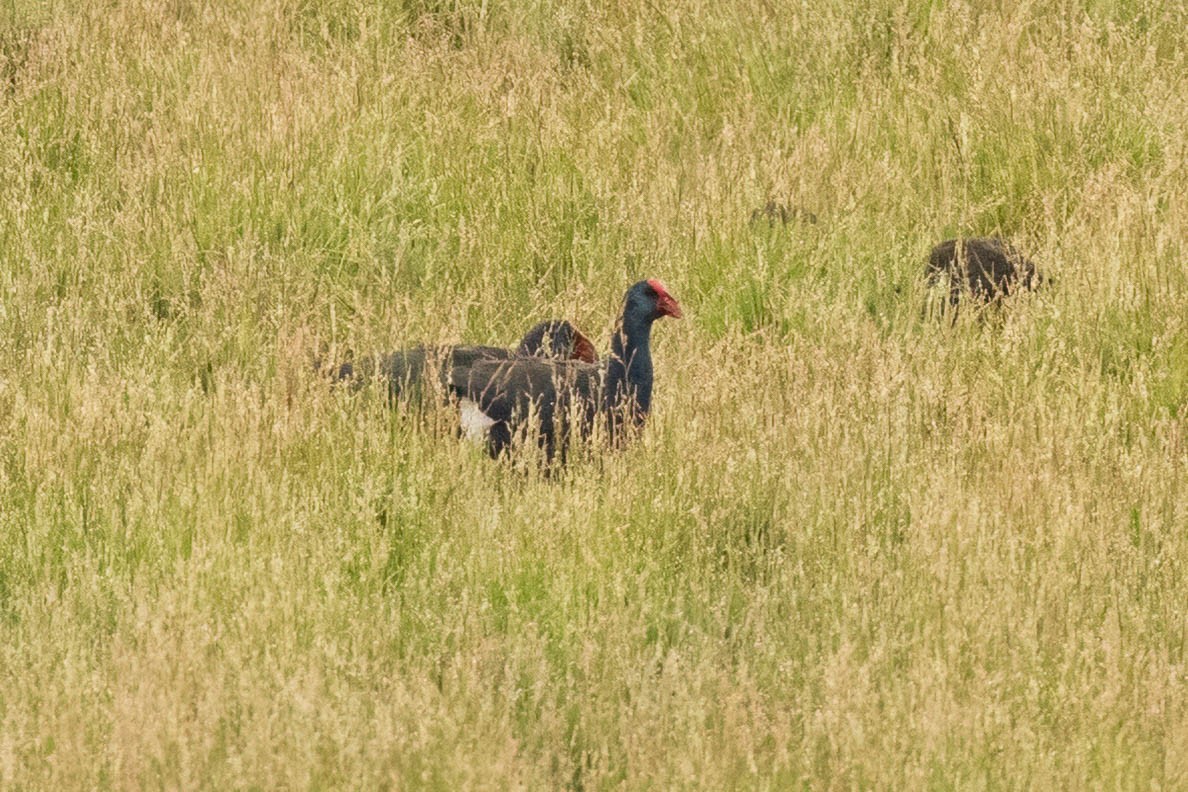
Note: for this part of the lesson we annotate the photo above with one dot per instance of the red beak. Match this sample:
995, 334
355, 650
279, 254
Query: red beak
667, 306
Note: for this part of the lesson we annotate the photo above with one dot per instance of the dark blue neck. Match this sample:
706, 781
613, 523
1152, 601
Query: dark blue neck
629, 370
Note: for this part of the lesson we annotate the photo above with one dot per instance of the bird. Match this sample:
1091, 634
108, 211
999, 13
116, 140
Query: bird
774, 212
404, 370
556, 339
985, 268
508, 399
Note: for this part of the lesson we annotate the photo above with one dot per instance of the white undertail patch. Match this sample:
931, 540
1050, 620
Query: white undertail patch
475, 422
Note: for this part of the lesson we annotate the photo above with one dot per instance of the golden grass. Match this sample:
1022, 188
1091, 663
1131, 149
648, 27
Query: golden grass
853, 549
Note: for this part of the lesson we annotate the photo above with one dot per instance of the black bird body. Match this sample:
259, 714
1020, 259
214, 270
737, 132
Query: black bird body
505, 398
405, 371
986, 268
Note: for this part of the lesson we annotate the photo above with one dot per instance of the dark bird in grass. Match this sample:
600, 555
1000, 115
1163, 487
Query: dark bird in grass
984, 268
404, 371
524, 397
774, 213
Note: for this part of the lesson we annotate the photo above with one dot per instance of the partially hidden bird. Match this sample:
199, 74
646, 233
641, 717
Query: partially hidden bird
404, 370
560, 400
985, 268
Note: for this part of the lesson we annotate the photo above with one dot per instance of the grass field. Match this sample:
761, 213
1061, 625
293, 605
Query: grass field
854, 548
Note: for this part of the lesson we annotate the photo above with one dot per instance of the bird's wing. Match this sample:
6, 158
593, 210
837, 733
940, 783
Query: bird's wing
503, 388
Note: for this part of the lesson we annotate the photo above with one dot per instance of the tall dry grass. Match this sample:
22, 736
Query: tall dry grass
854, 549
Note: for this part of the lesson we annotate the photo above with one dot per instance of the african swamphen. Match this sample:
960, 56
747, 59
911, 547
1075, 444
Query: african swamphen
555, 339
987, 268
504, 398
